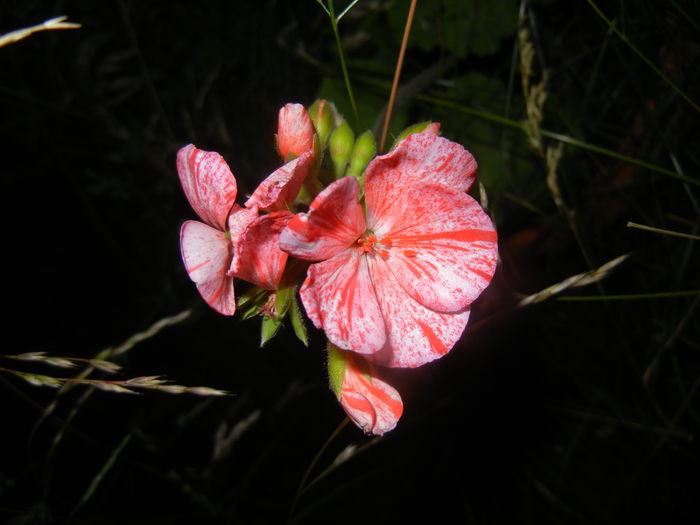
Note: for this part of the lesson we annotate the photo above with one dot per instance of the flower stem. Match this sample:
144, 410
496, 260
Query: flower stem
334, 25
397, 74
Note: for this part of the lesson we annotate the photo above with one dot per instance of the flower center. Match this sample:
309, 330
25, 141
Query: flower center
370, 244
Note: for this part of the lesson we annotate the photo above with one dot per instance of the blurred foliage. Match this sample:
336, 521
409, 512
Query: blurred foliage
569, 411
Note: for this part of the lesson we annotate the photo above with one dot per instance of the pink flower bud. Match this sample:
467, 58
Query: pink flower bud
295, 131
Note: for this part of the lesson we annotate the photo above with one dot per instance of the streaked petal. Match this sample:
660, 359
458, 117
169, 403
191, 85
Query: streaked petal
209, 185
415, 334
239, 219
282, 187
334, 222
257, 257
443, 247
206, 253
421, 158
372, 404
339, 297
295, 131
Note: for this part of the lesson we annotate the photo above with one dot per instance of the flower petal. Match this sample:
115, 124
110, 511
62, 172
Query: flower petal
206, 253
282, 187
257, 257
421, 158
209, 185
415, 334
443, 246
295, 131
372, 404
334, 222
239, 219
339, 298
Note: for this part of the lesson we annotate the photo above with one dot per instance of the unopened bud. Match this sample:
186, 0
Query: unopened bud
341, 143
322, 116
364, 150
295, 131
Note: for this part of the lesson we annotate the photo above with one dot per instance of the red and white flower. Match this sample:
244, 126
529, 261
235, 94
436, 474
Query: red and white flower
234, 241
395, 283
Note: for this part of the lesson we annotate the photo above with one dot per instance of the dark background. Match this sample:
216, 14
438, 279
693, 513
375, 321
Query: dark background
561, 412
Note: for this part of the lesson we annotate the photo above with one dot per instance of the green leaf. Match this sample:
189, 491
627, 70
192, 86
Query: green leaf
269, 329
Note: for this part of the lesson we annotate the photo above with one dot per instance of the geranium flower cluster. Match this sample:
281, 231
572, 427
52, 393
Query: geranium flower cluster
386, 252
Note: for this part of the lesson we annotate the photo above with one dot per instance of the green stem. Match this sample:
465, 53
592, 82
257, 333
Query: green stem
661, 230
350, 6
346, 76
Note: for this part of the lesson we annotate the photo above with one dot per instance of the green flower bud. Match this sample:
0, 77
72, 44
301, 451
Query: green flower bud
322, 116
364, 150
421, 127
341, 143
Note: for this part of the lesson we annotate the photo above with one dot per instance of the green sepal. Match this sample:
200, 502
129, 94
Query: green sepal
410, 130
250, 303
337, 363
341, 143
269, 328
363, 151
283, 299
298, 321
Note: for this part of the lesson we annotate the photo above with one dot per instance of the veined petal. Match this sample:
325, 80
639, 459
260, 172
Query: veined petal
209, 185
334, 222
421, 158
206, 253
415, 334
372, 404
295, 131
282, 187
339, 297
257, 257
443, 247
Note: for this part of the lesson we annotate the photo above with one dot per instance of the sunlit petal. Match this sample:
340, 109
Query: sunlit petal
209, 185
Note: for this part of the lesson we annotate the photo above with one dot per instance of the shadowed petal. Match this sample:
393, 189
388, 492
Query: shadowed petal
334, 222
209, 185
372, 404
282, 187
295, 131
421, 158
206, 253
257, 257
339, 298
443, 247
415, 334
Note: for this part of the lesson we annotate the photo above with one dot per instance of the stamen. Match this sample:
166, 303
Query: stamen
370, 244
